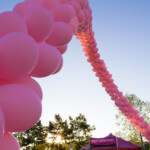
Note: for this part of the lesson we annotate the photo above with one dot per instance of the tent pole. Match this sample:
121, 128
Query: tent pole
89, 145
142, 141
117, 143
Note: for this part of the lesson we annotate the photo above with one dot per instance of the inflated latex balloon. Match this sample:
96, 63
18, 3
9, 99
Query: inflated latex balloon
22, 8
61, 35
148, 130
73, 11
62, 49
2, 123
76, 6
81, 17
33, 2
60, 65
62, 12
144, 125
40, 1
73, 24
49, 3
39, 22
83, 3
27, 81
21, 107
18, 55
9, 142
48, 61
64, 1
11, 22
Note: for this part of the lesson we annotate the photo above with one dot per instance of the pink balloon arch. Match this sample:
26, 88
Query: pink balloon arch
33, 38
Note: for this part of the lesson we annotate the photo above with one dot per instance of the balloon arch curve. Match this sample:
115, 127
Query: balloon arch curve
33, 38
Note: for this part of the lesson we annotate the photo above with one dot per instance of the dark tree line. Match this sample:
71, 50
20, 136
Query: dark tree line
74, 132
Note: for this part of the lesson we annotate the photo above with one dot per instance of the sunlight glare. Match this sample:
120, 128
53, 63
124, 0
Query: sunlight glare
58, 139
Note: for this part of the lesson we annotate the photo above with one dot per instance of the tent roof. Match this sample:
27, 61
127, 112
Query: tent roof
124, 144
118, 141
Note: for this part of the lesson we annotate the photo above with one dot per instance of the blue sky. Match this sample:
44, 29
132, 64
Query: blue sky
122, 32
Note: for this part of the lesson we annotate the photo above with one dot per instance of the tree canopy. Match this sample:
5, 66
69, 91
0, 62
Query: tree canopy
73, 132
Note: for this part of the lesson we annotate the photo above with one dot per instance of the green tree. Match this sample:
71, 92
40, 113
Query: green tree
126, 130
82, 131
32, 137
76, 132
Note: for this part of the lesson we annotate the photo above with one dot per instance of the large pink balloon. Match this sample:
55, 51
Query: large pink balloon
83, 3
62, 49
49, 3
11, 22
2, 123
64, 1
18, 55
61, 35
33, 2
74, 25
21, 107
22, 8
9, 142
60, 65
81, 17
27, 81
76, 6
48, 61
39, 22
62, 12
40, 1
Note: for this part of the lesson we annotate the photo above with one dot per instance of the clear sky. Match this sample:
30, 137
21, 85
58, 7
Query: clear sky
122, 32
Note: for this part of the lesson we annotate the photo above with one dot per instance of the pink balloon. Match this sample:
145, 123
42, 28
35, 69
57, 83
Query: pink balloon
73, 24
33, 2
49, 3
76, 6
60, 63
73, 11
40, 1
62, 12
9, 142
63, 1
39, 22
22, 8
148, 130
76, 20
48, 61
83, 3
61, 35
62, 49
141, 119
18, 55
11, 22
21, 107
81, 17
2, 123
144, 125
27, 81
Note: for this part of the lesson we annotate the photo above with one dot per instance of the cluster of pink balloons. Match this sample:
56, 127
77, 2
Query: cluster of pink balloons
33, 38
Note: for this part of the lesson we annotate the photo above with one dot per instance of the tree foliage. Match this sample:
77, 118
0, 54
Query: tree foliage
32, 137
74, 132
126, 130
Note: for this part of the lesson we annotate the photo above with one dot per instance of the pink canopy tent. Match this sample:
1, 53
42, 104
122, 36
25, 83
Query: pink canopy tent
110, 142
